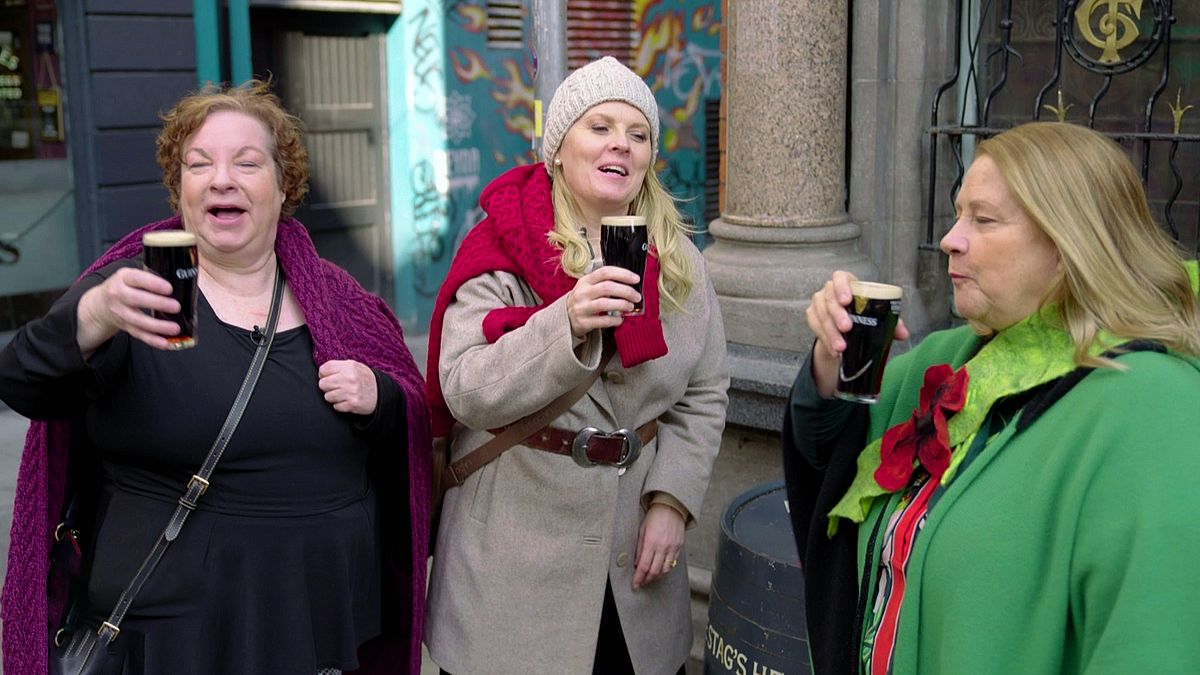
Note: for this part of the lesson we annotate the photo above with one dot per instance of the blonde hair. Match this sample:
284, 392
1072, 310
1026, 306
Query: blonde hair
1121, 273
664, 226
253, 98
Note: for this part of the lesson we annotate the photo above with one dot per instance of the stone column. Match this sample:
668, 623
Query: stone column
783, 227
903, 51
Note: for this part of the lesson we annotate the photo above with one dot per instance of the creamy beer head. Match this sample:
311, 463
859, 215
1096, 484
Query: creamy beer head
169, 238
874, 312
876, 291
624, 221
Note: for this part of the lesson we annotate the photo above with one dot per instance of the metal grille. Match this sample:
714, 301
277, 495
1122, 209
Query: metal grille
598, 28
342, 161
325, 86
505, 24
330, 73
1126, 68
712, 161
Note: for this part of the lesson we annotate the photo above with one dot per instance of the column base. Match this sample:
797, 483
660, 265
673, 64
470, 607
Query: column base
765, 277
760, 381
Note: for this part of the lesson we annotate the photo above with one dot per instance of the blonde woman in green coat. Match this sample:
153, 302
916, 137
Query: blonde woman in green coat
1022, 497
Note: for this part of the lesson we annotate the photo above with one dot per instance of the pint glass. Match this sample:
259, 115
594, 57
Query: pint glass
171, 254
624, 243
874, 312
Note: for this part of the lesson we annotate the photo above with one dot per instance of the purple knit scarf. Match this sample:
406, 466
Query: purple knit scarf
346, 322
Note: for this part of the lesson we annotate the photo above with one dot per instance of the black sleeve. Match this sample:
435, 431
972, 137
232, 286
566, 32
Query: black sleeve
821, 443
42, 373
390, 419
814, 421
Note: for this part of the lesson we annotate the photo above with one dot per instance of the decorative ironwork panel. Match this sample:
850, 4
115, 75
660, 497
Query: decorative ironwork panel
1129, 69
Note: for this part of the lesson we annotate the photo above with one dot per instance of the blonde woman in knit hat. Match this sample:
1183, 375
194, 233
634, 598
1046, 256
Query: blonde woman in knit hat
544, 564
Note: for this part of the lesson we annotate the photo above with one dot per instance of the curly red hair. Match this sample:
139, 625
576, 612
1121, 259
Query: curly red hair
253, 98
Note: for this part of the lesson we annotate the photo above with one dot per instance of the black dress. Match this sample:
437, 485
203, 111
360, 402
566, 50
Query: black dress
278, 571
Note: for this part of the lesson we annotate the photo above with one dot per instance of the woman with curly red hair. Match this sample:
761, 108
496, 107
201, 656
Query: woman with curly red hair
306, 551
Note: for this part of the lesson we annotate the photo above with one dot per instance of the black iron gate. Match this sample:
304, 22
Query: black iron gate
1126, 68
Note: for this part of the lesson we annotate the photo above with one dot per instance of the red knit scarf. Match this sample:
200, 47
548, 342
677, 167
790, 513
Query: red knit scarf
513, 239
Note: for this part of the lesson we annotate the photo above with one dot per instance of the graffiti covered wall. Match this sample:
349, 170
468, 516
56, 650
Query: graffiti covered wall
416, 123
679, 55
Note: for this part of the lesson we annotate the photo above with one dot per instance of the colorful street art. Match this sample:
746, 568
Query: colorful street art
485, 113
679, 55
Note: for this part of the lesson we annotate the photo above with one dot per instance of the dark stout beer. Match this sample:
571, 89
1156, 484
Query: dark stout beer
624, 243
171, 254
874, 312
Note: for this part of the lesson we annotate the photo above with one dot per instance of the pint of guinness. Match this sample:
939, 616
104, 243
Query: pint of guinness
171, 254
624, 243
874, 312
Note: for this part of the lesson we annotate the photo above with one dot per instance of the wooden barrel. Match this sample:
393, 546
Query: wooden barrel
756, 605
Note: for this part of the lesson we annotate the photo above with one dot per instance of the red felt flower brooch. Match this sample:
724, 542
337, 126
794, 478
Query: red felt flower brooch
925, 436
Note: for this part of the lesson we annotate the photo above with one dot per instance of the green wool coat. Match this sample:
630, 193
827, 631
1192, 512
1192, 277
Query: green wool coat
1069, 547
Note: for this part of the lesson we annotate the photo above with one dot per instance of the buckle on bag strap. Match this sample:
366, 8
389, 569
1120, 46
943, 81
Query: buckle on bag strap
196, 488
631, 446
108, 632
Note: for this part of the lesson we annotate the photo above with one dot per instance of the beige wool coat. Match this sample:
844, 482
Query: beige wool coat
527, 543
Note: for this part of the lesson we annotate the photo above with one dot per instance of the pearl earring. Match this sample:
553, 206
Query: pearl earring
557, 162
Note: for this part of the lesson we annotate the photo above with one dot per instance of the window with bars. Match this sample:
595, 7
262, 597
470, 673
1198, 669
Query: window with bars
1026, 60
505, 24
598, 28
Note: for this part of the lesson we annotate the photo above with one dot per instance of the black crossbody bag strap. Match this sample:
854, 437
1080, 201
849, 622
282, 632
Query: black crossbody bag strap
199, 482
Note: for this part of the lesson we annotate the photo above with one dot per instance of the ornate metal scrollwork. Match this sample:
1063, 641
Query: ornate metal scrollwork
1111, 26
1104, 37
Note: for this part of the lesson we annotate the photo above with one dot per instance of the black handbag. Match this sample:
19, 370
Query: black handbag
94, 652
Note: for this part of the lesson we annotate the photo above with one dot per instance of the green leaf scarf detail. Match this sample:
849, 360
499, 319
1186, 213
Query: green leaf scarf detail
1025, 355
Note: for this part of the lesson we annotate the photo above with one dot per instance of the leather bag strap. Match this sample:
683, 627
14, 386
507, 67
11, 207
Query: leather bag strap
199, 482
518, 431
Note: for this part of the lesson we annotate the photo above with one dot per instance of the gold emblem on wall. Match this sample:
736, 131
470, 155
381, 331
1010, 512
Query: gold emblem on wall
1117, 29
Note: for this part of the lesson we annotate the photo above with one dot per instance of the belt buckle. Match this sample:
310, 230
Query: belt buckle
632, 446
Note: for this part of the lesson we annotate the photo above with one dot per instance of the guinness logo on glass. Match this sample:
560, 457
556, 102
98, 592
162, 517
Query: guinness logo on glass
874, 313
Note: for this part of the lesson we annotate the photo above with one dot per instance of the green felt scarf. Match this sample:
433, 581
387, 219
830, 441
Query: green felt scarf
1019, 358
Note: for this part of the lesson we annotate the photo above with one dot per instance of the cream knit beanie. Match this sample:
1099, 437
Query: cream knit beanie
602, 80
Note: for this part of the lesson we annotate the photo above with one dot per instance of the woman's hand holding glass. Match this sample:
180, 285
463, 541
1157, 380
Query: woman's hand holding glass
599, 298
829, 321
121, 304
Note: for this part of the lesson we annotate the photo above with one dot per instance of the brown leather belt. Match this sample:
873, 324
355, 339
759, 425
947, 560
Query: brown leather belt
590, 446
